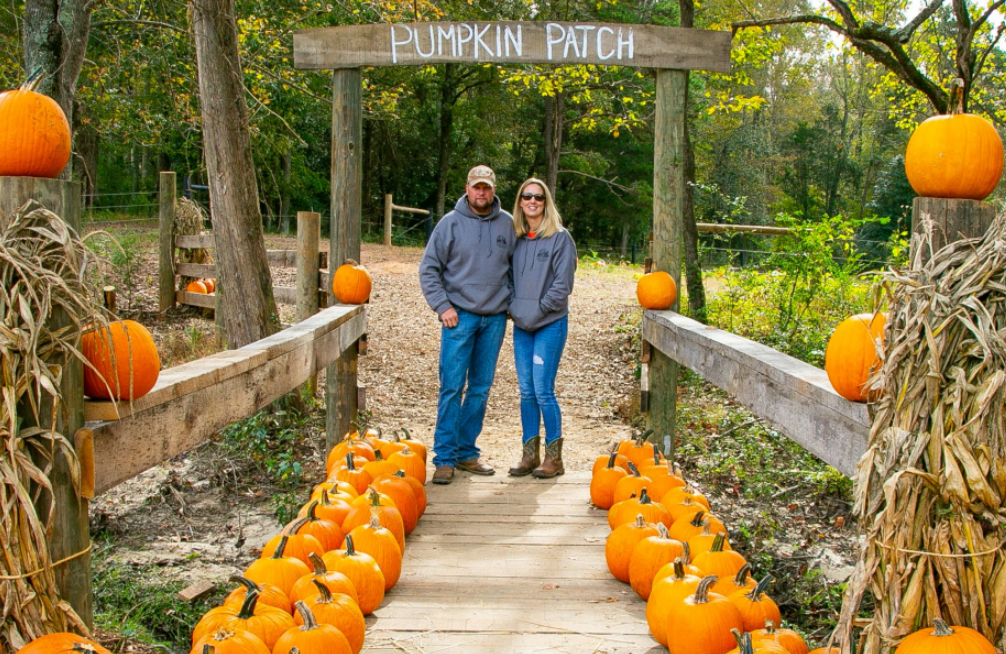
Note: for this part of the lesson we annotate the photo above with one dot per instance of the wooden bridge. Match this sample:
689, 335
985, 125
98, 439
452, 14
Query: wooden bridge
500, 565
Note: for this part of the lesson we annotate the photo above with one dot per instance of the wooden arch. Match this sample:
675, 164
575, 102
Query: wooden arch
671, 51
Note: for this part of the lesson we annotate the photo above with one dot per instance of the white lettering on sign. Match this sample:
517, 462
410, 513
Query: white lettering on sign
577, 42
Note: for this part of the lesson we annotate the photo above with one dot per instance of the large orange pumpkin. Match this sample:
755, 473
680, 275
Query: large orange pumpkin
34, 134
852, 353
944, 639
60, 643
656, 290
954, 156
135, 369
351, 283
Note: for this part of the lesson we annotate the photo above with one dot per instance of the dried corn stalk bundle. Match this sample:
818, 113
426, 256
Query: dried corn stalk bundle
42, 265
189, 221
930, 487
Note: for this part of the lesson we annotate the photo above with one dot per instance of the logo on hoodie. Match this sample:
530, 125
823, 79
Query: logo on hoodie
542, 255
501, 241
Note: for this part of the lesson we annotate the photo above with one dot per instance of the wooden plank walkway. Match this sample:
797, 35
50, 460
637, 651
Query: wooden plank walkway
503, 565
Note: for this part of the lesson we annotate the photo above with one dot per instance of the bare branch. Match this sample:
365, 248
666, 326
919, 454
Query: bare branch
789, 20
610, 183
905, 33
150, 23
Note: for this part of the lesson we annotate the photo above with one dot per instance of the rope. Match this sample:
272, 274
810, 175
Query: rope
35, 572
941, 555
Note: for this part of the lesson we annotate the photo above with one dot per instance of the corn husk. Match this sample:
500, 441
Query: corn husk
929, 489
42, 265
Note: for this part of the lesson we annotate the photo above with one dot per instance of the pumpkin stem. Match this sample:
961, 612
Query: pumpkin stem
741, 577
645, 434
375, 518
278, 554
408, 436
743, 641
640, 521
309, 622
770, 628
702, 592
956, 104
374, 496
705, 527
941, 628
312, 514
633, 470
350, 548
208, 649
324, 592
697, 519
378, 455
644, 497
759, 589
351, 262
679, 568
718, 541
656, 455
33, 80
318, 563
687, 554
248, 606
247, 583
611, 459
349, 461
662, 528
296, 525
399, 473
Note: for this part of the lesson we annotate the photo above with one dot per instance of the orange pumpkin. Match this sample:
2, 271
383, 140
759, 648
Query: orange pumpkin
401, 493
954, 156
649, 556
721, 562
136, 364
756, 608
363, 508
378, 541
851, 354
34, 133
671, 585
328, 532
266, 622
942, 638
297, 545
351, 283
621, 543
311, 637
210, 284
362, 570
230, 641
656, 290
790, 641
62, 642
340, 611
604, 481
267, 594
702, 622
335, 582
197, 287
278, 569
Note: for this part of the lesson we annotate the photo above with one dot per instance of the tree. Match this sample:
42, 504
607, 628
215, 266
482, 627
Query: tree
247, 304
891, 47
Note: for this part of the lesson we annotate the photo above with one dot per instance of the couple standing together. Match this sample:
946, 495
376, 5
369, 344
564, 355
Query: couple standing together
480, 264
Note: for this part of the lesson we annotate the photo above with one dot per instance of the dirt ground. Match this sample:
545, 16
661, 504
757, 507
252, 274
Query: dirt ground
205, 515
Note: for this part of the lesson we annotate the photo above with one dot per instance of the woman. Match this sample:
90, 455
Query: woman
541, 272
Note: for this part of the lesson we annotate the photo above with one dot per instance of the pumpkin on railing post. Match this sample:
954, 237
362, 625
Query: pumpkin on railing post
351, 283
34, 133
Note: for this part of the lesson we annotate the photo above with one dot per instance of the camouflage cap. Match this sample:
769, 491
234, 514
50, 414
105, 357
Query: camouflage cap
482, 175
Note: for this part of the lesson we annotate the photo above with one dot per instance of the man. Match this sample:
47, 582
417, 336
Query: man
463, 276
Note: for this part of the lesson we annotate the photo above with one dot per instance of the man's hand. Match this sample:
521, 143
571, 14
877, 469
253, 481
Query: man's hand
449, 318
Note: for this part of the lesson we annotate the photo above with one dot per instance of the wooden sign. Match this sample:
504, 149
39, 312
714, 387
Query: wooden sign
612, 44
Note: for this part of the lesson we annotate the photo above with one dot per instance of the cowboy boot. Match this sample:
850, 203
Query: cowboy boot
530, 460
552, 465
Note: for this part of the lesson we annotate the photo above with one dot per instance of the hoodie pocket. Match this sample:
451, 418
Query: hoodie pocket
482, 295
526, 312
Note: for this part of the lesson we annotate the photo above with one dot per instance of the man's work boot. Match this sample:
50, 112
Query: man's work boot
552, 465
476, 467
443, 475
530, 460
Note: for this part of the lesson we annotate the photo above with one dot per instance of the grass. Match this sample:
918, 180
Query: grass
140, 604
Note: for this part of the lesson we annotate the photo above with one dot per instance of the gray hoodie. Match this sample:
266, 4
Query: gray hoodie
542, 278
466, 262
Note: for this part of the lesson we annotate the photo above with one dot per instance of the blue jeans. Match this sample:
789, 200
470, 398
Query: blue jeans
536, 356
468, 353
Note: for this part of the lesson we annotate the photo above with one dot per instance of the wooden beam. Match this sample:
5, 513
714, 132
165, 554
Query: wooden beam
197, 299
341, 401
794, 397
388, 204
196, 269
166, 255
949, 220
196, 241
668, 233
69, 531
308, 244
742, 229
175, 416
539, 42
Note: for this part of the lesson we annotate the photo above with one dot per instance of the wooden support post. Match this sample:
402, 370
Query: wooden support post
668, 231
949, 220
70, 532
166, 262
108, 293
308, 261
341, 399
387, 218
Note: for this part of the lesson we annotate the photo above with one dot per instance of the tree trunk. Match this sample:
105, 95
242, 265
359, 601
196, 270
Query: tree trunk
87, 139
285, 162
55, 41
245, 286
553, 138
446, 127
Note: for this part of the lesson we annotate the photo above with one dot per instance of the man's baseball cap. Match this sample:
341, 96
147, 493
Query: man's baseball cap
482, 175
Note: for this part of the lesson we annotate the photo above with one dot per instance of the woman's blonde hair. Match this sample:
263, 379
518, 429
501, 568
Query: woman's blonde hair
551, 221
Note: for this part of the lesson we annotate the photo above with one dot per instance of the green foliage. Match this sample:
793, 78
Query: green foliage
807, 285
137, 603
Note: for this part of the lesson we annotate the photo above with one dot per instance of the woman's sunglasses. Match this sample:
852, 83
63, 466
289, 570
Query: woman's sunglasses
532, 196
